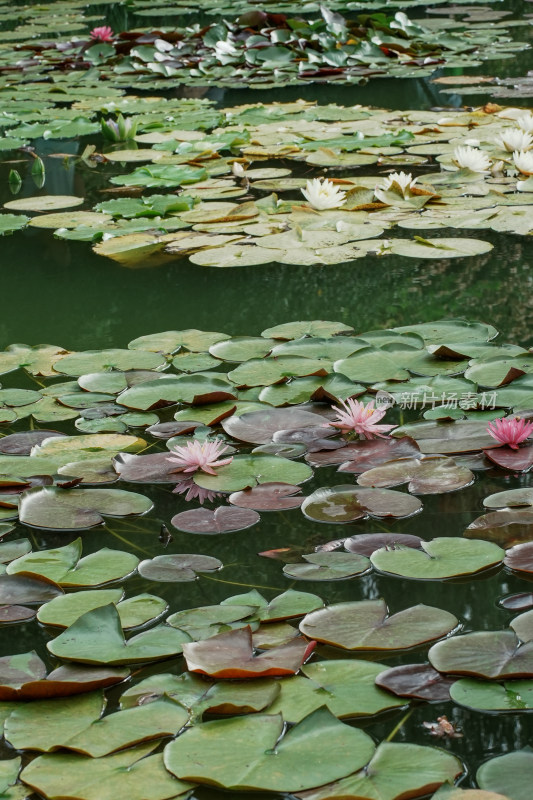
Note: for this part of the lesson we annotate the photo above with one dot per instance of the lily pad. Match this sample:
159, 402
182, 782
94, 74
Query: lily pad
258, 427
346, 503
485, 696
237, 753
416, 680
366, 625
484, 654
177, 568
247, 471
97, 638
78, 509
268, 497
425, 475
328, 566
445, 557
52, 202
231, 655
223, 519
510, 774
133, 771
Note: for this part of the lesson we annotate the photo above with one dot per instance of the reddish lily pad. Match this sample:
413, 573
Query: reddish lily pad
18, 589
520, 460
224, 519
363, 455
520, 558
517, 602
346, 503
366, 625
231, 655
460, 436
505, 527
258, 427
366, 543
424, 475
151, 468
416, 680
484, 654
21, 444
177, 568
269, 497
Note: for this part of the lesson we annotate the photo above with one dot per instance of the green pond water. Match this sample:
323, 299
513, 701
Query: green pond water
62, 293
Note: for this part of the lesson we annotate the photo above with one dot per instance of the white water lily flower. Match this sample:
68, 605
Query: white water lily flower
237, 169
525, 122
323, 194
404, 182
523, 161
514, 139
472, 142
472, 159
225, 51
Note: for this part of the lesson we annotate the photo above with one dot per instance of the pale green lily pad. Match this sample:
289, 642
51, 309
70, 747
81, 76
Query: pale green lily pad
78, 509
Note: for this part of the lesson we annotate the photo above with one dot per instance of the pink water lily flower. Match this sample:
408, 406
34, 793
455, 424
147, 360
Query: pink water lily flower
355, 416
102, 34
510, 430
194, 492
200, 455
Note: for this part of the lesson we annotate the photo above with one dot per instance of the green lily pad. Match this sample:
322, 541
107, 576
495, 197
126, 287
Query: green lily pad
223, 519
78, 509
485, 654
198, 388
328, 566
486, 696
237, 753
296, 330
445, 557
366, 625
425, 475
133, 771
42, 203
510, 774
134, 612
395, 771
345, 687
64, 566
77, 364
346, 503
439, 248
9, 223
97, 638
250, 470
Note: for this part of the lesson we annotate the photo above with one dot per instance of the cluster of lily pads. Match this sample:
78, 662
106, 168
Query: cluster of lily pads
260, 47
259, 678
223, 211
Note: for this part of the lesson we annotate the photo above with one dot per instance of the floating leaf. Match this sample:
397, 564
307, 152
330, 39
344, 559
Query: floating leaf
77, 509
237, 753
416, 680
134, 771
486, 654
268, 497
248, 471
346, 503
222, 520
346, 688
366, 543
425, 475
395, 771
328, 566
51, 202
259, 426
177, 568
366, 625
230, 655
445, 557
97, 638
485, 696
510, 774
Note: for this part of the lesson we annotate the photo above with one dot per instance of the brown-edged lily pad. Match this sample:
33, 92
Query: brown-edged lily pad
363, 455
21, 444
520, 460
460, 436
231, 655
224, 519
347, 503
366, 625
